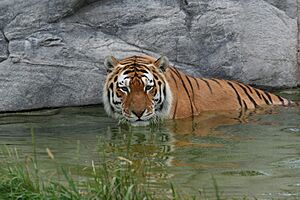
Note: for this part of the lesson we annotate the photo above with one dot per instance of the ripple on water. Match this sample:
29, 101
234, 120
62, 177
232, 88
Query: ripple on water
291, 130
284, 195
295, 185
245, 173
290, 163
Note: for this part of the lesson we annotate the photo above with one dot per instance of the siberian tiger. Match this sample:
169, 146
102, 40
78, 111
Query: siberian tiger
141, 89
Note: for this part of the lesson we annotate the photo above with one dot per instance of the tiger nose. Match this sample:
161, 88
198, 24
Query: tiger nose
139, 114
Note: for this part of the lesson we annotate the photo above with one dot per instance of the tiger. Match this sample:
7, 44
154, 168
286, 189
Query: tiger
141, 89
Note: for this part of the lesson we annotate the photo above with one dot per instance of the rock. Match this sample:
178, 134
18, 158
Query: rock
290, 7
3, 47
51, 52
47, 86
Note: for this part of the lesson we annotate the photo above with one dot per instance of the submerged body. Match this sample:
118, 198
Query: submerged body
141, 89
191, 95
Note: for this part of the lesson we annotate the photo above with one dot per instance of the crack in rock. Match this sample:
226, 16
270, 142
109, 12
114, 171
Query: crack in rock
188, 14
59, 10
4, 51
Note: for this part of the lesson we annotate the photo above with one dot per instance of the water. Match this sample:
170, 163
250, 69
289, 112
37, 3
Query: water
257, 155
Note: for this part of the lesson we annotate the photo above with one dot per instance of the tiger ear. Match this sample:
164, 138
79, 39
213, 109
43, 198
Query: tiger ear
162, 63
110, 62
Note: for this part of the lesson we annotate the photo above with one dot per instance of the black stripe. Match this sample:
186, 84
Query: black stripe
155, 76
237, 94
267, 101
143, 71
116, 79
280, 99
198, 86
109, 98
113, 98
248, 95
165, 94
205, 81
128, 71
258, 94
132, 64
144, 76
119, 96
175, 109
142, 65
245, 104
136, 65
127, 63
215, 80
249, 88
185, 88
158, 90
117, 102
190, 83
125, 68
269, 97
188, 78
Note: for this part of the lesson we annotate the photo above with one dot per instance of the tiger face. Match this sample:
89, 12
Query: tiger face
136, 90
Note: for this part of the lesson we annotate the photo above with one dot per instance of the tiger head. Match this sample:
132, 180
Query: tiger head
136, 89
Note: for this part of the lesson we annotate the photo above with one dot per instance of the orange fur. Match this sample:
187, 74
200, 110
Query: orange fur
186, 95
192, 96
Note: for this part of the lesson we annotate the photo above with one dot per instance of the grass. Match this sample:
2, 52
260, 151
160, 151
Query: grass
117, 177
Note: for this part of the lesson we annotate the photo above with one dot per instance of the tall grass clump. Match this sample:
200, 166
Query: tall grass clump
115, 177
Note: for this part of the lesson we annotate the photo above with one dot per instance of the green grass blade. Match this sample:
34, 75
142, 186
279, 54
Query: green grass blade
70, 182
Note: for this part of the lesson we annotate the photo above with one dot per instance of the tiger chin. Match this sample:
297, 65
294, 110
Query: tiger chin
142, 90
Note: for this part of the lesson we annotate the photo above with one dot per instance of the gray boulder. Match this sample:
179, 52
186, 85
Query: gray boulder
51, 52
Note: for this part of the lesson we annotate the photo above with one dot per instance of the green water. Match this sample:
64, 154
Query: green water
258, 156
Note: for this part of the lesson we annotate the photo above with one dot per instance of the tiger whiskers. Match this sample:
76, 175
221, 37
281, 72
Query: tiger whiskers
122, 120
155, 120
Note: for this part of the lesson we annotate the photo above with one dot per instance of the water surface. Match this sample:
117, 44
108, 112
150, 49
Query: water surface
256, 155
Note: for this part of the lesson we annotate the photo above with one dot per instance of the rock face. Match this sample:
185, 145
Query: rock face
51, 51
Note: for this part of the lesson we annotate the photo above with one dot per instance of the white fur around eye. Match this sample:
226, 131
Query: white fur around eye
121, 78
149, 76
148, 80
123, 81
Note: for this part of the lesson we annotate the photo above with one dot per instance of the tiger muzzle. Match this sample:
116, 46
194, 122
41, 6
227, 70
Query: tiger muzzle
139, 114
138, 104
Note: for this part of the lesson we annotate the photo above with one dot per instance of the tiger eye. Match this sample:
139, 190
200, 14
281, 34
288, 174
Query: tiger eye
125, 89
148, 87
